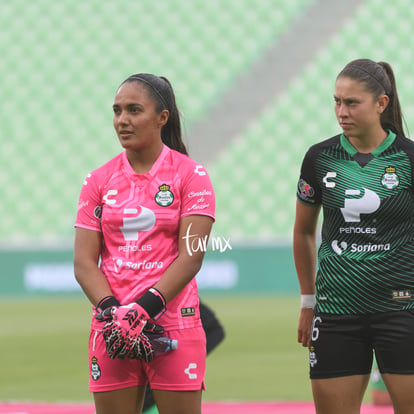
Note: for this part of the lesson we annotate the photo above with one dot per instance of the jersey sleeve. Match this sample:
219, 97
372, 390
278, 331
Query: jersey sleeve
308, 190
198, 194
89, 205
406, 145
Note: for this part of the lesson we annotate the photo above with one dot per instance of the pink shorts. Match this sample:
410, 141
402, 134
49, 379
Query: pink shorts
182, 369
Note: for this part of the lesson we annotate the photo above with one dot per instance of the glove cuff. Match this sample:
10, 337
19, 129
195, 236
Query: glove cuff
153, 303
107, 302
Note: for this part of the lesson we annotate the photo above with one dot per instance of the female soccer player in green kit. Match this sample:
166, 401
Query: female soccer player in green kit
357, 292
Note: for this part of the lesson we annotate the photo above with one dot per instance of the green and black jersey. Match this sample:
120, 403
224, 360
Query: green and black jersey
366, 256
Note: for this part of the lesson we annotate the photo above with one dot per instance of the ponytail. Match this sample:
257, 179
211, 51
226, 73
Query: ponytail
171, 131
392, 118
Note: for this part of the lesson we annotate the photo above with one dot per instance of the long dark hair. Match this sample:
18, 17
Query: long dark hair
160, 89
379, 79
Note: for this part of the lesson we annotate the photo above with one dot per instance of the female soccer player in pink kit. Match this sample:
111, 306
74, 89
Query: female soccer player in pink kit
142, 223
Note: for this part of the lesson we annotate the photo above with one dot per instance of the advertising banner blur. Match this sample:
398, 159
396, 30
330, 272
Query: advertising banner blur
237, 270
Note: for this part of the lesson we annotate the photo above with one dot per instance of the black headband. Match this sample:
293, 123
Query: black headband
138, 78
372, 76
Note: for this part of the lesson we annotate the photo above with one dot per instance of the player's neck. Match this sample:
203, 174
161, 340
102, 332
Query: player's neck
143, 160
369, 142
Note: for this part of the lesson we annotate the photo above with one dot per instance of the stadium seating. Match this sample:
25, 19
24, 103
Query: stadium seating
264, 162
62, 61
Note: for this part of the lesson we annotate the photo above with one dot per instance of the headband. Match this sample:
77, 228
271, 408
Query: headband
371, 75
138, 78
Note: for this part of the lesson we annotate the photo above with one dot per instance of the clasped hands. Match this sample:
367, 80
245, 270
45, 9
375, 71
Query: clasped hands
125, 331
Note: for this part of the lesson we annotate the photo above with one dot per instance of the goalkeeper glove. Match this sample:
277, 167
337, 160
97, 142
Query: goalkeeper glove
106, 303
151, 302
127, 346
124, 325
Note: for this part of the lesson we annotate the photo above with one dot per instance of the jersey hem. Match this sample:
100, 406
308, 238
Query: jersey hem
114, 387
179, 387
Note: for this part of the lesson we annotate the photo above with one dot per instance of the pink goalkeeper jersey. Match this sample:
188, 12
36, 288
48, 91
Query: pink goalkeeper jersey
139, 215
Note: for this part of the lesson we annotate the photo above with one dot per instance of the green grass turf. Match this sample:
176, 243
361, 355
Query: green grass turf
260, 358
43, 350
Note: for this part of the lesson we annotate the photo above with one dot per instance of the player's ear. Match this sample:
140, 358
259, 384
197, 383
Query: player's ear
383, 101
163, 117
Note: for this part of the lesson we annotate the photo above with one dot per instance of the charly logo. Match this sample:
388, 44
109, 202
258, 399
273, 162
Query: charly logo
164, 197
106, 198
199, 169
328, 176
191, 375
390, 179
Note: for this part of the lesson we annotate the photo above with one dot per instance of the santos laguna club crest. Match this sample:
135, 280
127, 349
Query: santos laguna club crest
95, 369
164, 197
390, 179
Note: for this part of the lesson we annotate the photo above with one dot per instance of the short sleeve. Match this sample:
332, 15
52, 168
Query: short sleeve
197, 193
308, 190
89, 206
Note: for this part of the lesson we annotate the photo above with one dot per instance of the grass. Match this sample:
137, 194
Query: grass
259, 359
43, 350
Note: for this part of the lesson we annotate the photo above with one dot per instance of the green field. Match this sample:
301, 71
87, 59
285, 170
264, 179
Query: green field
43, 350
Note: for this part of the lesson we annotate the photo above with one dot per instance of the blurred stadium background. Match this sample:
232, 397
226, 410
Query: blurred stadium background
254, 82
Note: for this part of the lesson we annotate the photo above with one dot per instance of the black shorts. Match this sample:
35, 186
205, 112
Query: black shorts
343, 345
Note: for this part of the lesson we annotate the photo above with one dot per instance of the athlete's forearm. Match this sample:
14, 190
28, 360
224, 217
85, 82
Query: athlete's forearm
177, 276
93, 283
193, 237
304, 246
85, 261
304, 252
